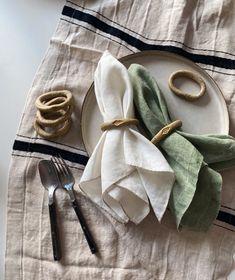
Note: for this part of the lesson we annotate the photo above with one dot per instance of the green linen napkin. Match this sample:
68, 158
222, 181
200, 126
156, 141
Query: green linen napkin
195, 159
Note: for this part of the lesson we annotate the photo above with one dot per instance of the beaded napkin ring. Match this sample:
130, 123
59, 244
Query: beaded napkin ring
165, 131
191, 75
53, 117
118, 123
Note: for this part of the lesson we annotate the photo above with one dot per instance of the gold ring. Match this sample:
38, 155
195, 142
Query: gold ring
53, 100
191, 75
118, 123
165, 131
54, 132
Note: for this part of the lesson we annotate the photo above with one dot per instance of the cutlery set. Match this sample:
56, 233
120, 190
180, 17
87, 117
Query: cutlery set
55, 173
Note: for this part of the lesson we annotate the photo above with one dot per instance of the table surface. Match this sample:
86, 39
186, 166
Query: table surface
27, 26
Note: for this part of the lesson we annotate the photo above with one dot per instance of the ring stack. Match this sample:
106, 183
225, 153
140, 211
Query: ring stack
53, 116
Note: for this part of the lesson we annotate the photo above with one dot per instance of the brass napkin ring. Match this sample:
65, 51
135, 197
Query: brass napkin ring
118, 123
165, 131
191, 75
53, 117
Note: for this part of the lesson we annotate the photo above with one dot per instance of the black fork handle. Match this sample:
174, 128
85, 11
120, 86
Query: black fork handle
54, 232
84, 227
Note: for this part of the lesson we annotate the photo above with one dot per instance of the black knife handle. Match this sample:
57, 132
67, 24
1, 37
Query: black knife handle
84, 227
54, 232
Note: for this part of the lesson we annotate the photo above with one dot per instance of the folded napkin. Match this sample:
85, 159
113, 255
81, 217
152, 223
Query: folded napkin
125, 170
195, 198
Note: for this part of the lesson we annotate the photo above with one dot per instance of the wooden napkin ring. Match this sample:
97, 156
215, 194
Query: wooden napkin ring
165, 131
53, 117
191, 75
52, 133
118, 123
54, 100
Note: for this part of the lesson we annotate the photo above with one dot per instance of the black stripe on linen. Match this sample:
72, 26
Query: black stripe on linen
119, 43
49, 150
147, 38
140, 45
125, 46
51, 141
226, 218
35, 157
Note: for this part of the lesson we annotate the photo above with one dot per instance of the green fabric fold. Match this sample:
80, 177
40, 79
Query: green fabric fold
195, 159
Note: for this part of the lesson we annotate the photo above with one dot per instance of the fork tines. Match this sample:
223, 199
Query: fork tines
61, 164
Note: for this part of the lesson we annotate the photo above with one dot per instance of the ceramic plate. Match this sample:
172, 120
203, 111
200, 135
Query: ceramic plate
206, 115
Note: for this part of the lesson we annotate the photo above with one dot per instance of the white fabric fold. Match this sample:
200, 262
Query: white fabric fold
125, 171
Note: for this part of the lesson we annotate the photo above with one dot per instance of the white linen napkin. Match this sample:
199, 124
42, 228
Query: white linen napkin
125, 170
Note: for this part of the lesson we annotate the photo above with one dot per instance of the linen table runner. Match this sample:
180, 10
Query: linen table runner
200, 31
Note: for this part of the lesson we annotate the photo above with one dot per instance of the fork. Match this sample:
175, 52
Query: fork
67, 181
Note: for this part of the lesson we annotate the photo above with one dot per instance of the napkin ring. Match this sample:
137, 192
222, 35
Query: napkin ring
191, 75
53, 117
54, 100
165, 131
48, 134
118, 123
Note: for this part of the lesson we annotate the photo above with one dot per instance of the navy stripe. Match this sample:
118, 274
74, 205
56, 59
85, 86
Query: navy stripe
147, 38
51, 141
49, 150
226, 218
140, 45
125, 46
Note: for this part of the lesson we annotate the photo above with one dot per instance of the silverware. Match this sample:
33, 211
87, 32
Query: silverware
67, 182
50, 181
